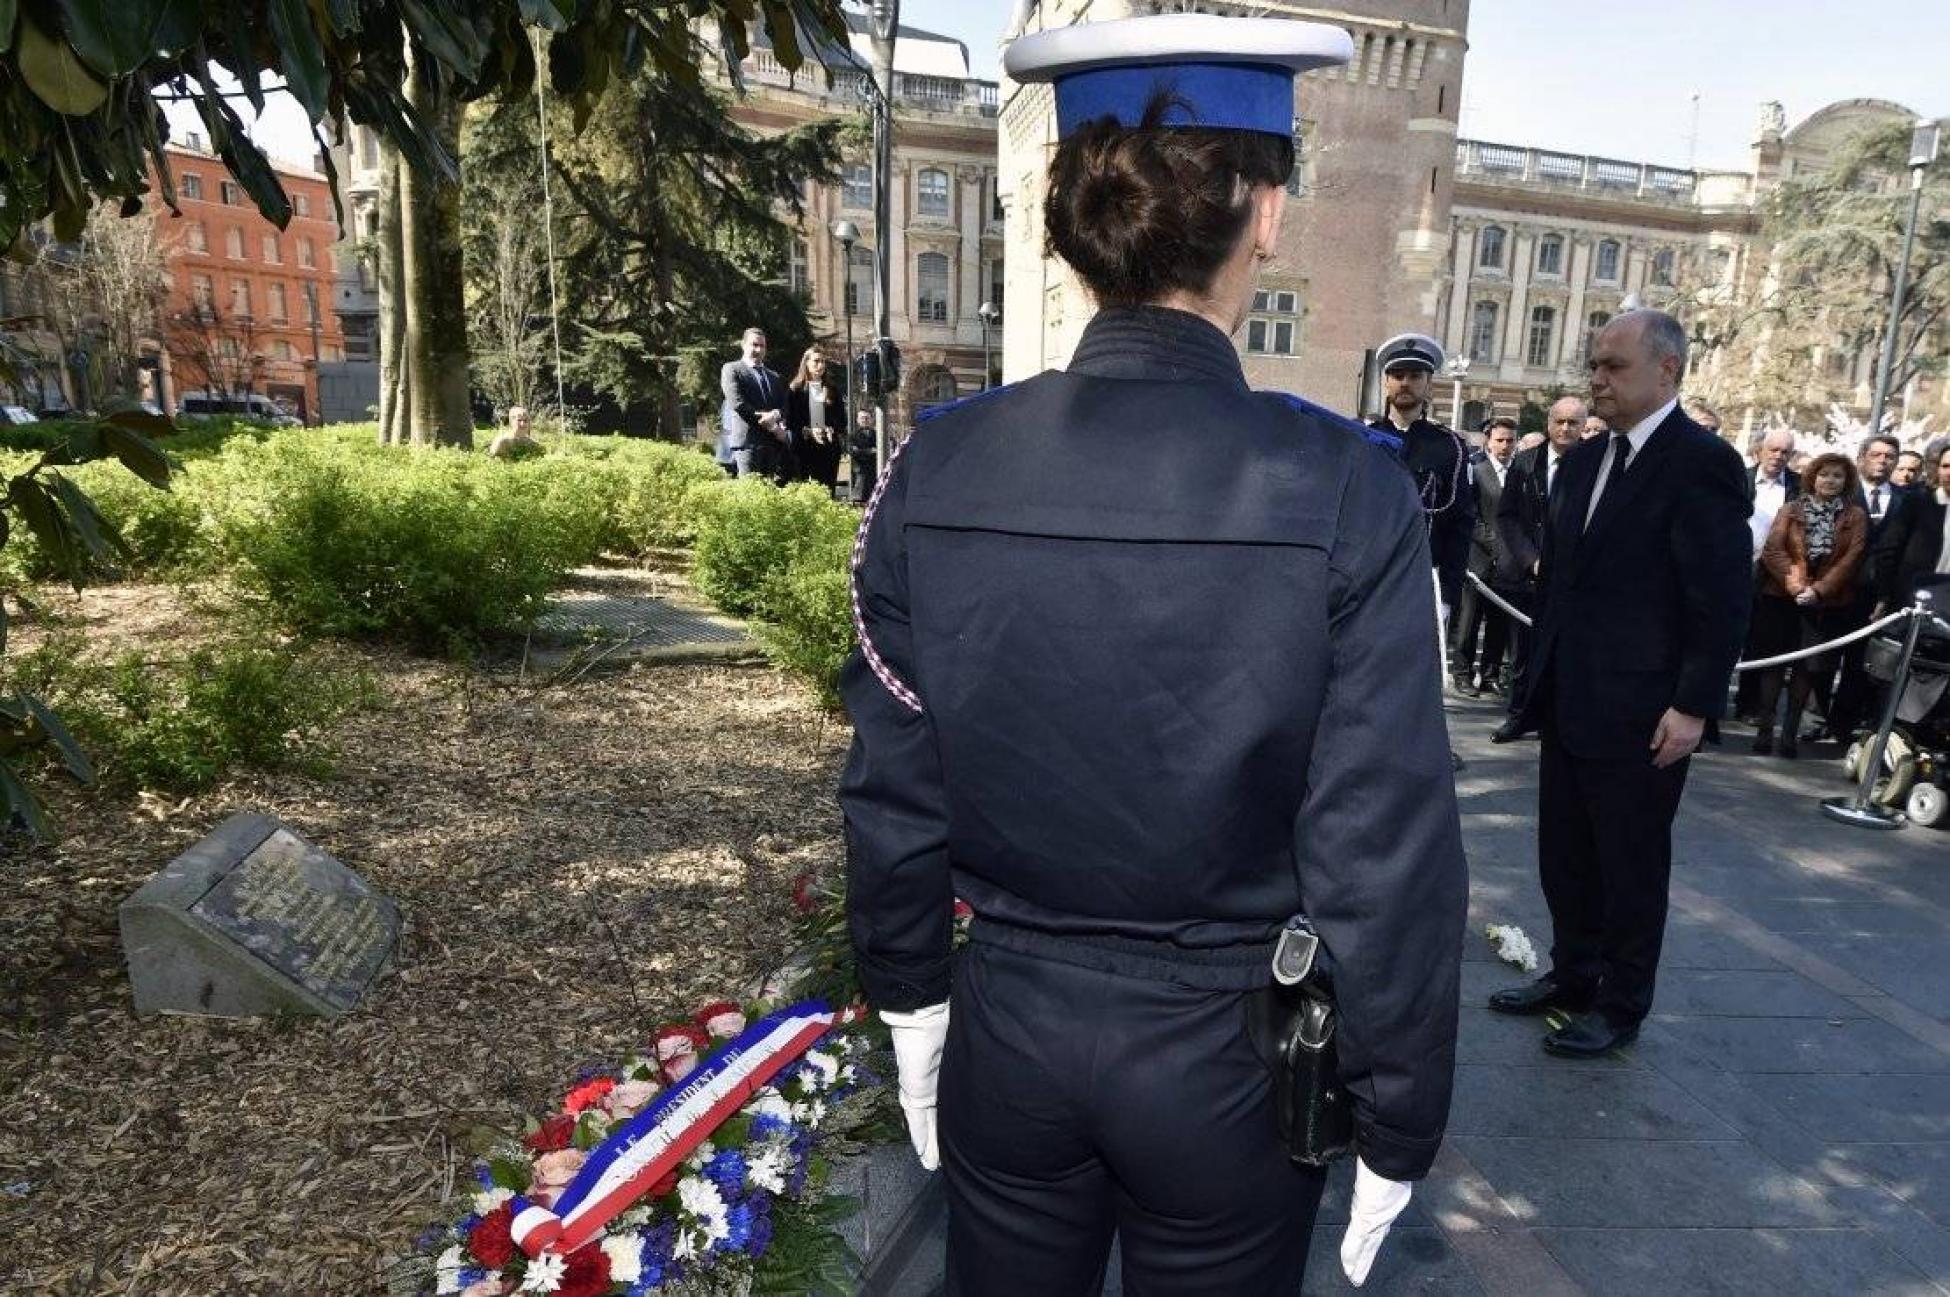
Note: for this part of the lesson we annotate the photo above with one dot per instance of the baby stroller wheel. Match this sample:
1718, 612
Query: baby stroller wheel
1898, 773
1928, 805
1852, 760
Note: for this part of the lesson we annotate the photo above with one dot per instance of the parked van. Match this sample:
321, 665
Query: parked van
254, 406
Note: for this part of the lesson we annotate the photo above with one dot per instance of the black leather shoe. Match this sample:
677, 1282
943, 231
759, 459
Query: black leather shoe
1589, 1035
1465, 686
1539, 996
1509, 732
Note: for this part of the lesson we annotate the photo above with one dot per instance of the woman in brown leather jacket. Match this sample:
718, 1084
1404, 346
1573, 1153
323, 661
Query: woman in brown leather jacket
1807, 567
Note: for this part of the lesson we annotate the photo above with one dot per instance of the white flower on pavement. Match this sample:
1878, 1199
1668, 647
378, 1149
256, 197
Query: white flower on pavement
1512, 945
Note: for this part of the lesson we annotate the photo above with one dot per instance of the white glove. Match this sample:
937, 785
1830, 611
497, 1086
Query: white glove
918, 1039
1377, 1201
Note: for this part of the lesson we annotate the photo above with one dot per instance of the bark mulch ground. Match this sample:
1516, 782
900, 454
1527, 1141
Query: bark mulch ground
575, 863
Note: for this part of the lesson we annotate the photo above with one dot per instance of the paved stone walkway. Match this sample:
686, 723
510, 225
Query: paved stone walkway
1782, 1125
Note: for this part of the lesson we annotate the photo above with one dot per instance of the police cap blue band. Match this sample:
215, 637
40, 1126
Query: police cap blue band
1215, 96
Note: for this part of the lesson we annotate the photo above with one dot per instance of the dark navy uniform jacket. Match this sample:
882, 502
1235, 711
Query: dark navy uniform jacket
1146, 668
1438, 460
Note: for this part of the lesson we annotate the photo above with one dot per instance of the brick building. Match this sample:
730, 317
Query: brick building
249, 307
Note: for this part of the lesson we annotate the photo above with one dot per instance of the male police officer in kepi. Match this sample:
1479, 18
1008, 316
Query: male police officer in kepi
1147, 676
1436, 457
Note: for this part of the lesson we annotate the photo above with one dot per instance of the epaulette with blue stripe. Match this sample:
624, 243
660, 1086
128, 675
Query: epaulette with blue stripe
1388, 441
936, 411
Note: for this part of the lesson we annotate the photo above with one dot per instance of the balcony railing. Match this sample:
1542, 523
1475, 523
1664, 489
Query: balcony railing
850, 87
1509, 164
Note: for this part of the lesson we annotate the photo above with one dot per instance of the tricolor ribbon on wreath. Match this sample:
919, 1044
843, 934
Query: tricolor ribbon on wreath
624, 1166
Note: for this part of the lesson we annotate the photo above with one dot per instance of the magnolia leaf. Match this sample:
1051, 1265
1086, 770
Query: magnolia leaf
446, 35
9, 10
50, 527
115, 37
343, 15
72, 756
97, 533
138, 454
55, 75
16, 802
304, 55
547, 14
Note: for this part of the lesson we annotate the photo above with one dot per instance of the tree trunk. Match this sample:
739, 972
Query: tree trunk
390, 254
437, 408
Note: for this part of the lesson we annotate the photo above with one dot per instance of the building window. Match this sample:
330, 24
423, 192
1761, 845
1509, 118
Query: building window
301, 204
1606, 270
934, 387
233, 243
859, 280
1543, 332
1273, 327
190, 184
1550, 255
1489, 249
856, 188
279, 306
307, 254
196, 238
311, 304
368, 147
1592, 323
800, 275
994, 280
1482, 332
273, 254
203, 292
233, 194
281, 350
931, 193
240, 297
1721, 262
931, 274
1662, 263
996, 214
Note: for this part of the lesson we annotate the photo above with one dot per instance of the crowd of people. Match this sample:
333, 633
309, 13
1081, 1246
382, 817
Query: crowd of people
1836, 542
797, 430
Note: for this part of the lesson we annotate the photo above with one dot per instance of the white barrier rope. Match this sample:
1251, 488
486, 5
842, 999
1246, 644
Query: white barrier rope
1781, 659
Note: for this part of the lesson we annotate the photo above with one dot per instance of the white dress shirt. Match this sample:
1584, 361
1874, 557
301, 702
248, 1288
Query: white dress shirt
815, 405
1550, 470
1769, 495
1876, 499
1640, 434
1943, 555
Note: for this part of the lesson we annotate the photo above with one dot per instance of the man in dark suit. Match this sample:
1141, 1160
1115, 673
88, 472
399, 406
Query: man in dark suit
1520, 518
754, 436
1643, 609
1489, 562
1771, 485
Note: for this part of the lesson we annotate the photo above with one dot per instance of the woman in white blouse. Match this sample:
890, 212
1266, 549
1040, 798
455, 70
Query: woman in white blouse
815, 414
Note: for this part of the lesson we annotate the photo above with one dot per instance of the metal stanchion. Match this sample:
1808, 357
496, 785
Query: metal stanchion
1861, 810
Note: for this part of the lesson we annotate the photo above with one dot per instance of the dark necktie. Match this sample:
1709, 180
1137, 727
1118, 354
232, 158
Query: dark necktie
1875, 503
1621, 451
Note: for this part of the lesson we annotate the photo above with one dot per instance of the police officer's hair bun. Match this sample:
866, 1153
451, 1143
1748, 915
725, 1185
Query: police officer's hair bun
1142, 212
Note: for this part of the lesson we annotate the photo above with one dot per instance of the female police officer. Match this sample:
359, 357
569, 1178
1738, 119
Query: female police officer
1145, 670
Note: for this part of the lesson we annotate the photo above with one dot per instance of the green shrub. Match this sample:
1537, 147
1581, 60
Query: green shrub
752, 534
182, 724
438, 547
813, 633
665, 492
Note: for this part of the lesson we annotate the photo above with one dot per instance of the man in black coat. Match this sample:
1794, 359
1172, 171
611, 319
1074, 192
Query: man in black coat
1643, 609
1489, 561
1520, 515
1881, 499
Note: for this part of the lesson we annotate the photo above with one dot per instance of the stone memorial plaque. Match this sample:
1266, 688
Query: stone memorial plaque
252, 920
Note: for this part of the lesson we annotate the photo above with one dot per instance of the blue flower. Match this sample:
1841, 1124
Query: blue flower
727, 1171
740, 1220
765, 1126
467, 1224
761, 1232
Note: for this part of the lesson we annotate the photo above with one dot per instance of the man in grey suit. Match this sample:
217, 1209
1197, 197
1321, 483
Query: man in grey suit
1489, 559
753, 437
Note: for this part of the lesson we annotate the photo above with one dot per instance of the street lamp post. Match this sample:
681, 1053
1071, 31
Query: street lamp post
1923, 144
1457, 368
848, 234
990, 313
886, 16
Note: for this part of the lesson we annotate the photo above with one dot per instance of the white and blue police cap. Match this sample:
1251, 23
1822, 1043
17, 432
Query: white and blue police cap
1410, 351
1223, 73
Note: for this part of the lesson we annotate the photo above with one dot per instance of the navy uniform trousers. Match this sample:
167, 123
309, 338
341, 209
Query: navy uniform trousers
1059, 1127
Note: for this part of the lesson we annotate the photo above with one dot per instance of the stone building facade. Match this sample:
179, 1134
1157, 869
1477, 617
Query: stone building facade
946, 253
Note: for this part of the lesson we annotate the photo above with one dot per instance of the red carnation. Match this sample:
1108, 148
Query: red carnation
587, 1273
963, 910
665, 1185
803, 899
712, 1010
554, 1134
492, 1240
588, 1094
